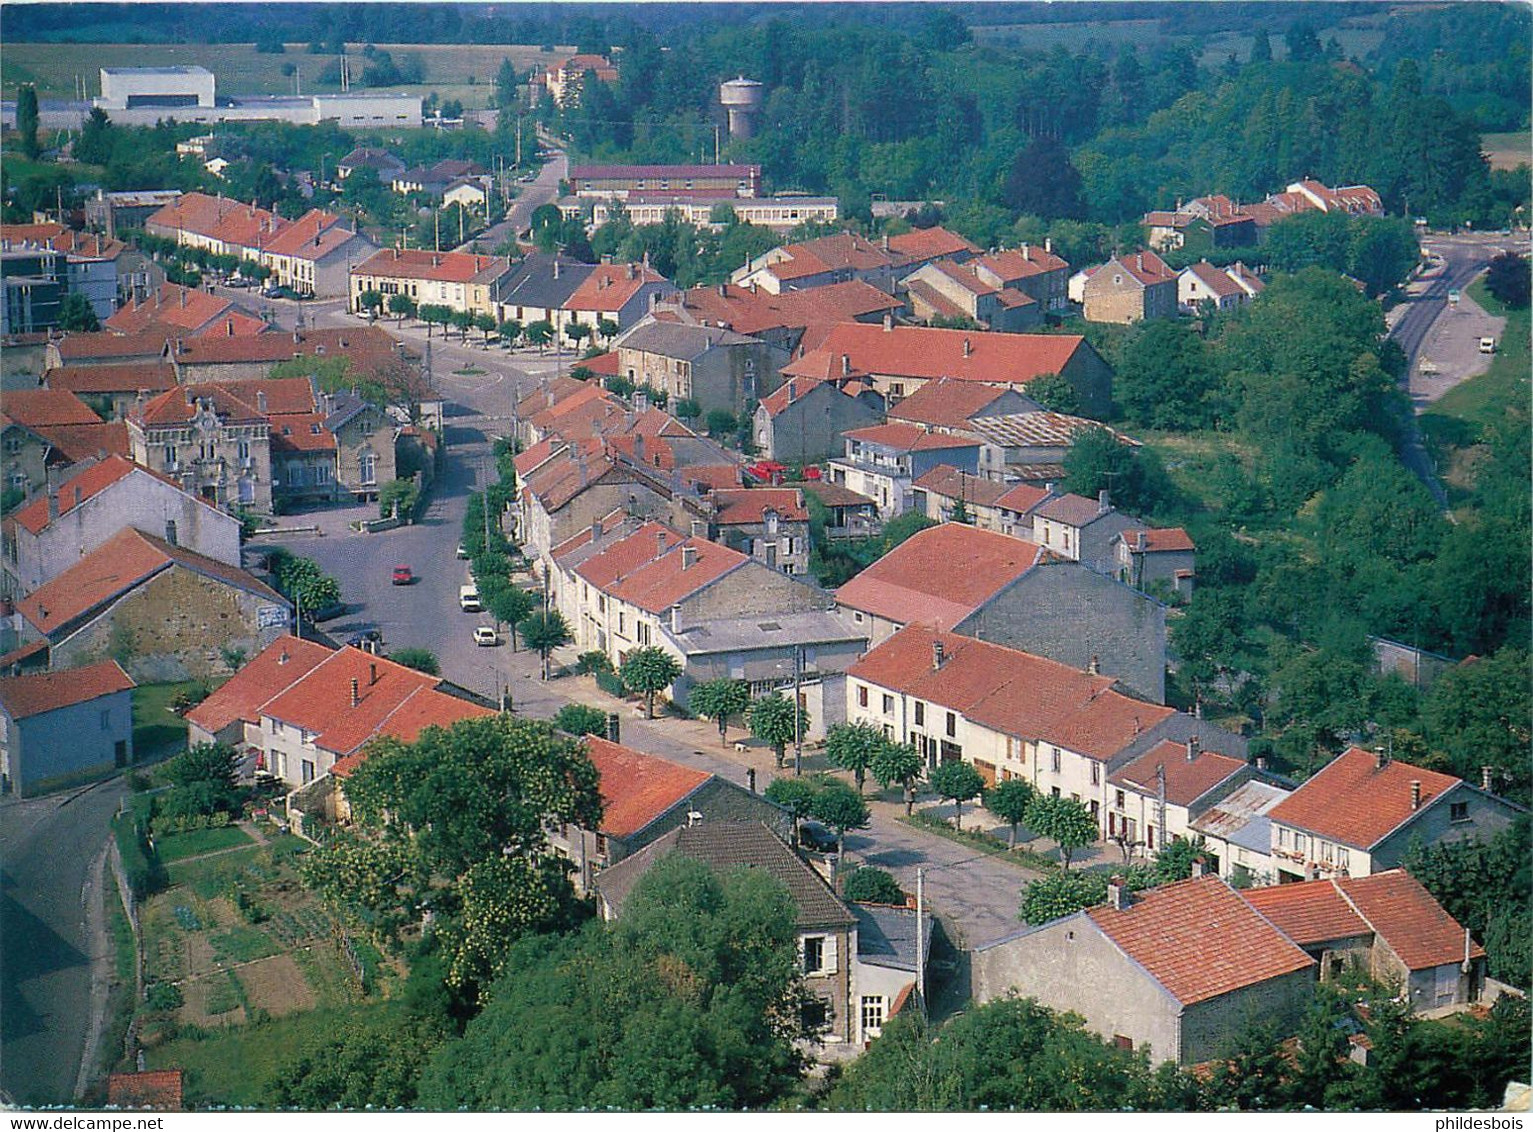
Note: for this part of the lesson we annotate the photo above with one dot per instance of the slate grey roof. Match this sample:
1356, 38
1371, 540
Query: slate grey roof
774, 631
345, 406
679, 340
531, 283
886, 936
727, 845
1179, 728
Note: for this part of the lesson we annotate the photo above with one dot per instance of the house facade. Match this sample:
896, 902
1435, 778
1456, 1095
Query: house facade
804, 421
718, 369
64, 727
1130, 288
1081, 529
884, 461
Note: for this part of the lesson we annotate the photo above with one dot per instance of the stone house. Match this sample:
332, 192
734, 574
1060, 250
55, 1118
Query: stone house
1155, 558
1189, 965
848, 513
370, 351
884, 461
644, 797
1201, 225
1081, 529
100, 348
64, 727
364, 437
959, 291
80, 514
1130, 288
827, 930
771, 524
946, 493
168, 613
791, 319
718, 369
111, 390
921, 246
174, 311
27, 423
949, 405
1386, 924
1363, 810
1155, 797
803, 421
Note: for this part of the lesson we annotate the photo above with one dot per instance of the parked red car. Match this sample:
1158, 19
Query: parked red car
403, 576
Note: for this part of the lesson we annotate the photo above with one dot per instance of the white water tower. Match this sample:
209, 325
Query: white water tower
741, 97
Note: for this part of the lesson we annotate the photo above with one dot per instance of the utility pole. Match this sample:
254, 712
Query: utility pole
798, 714
518, 140
715, 143
437, 217
920, 932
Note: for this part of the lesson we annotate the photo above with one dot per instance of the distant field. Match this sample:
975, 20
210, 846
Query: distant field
1507, 151
1356, 38
462, 71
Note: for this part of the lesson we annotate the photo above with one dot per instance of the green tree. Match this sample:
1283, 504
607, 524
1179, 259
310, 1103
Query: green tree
510, 605
1055, 393
75, 313
540, 333
1165, 377
510, 331
1509, 280
1065, 822
676, 1007
898, 764
577, 331
370, 301
27, 121
402, 306
1477, 715
648, 670
464, 321
957, 782
772, 720
1056, 895
302, 581
543, 631
720, 422
607, 328
840, 808
581, 719
370, 1062
1009, 801
796, 795
422, 660
719, 700
854, 747
204, 779
485, 323
867, 885
455, 822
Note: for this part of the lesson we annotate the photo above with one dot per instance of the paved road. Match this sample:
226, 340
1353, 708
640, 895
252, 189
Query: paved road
1440, 340
541, 191
48, 848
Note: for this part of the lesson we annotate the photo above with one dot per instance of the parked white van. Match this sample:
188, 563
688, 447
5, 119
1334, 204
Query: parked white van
1487, 345
468, 598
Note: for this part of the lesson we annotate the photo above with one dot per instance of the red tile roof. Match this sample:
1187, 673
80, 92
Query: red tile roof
1354, 801
1159, 539
1214, 279
929, 243
86, 245
610, 286
1308, 913
929, 353
82, 441
955, 483
428, 707
603, 365
104, 344
98, 477
38, 407
1074, 510
124, 561
301, 432
1025, 262
271, 671
155, 377
364, 345
940, 575
834, 495
623, 557
24, 696
1010, 691
637, 788
682, 571
313, 236
1199, 939
663, 172
750, 504
842, 251
1147, 267
228, 221
909, 438
230, 400
1022, 498
531, 459
183, 310
320, 703
752, 312
154, 1089
447, 267
1413, 925
1186, 779
945, 404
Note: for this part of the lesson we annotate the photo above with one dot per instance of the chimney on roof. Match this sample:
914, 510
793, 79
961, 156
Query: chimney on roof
968, 347
614, 727
1139, 257
676, 617
282, 657
1261, 762
886, 241
659, 543
1024, 251
753, 287
261, 401
229, 327
688, 557
1139, 541
1381, 757
595, 529
183, 296
1199, 867
1415, 794
723, 290
1485, 779
846, 365
1094, 665
1194, 748
1117, 894
356, 692
1104, 502
633, 271
888, 320
372, 673
580, 465
53, 501
556, 267
938, 656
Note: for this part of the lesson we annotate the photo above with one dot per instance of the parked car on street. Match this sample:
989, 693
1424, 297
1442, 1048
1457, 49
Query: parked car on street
485, 636
403, 576
468, 598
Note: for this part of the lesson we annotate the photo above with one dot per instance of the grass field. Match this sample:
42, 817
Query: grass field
184, 845
1508, 151
154, 726
462, 71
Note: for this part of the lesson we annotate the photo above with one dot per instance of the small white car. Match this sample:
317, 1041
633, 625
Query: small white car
468, 598
462, 551
1487, 345
486, 637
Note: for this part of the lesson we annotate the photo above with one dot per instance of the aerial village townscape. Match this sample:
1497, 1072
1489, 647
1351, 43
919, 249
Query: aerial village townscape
765, 557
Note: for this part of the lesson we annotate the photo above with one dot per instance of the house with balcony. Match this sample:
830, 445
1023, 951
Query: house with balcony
884, 461
1362, 811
